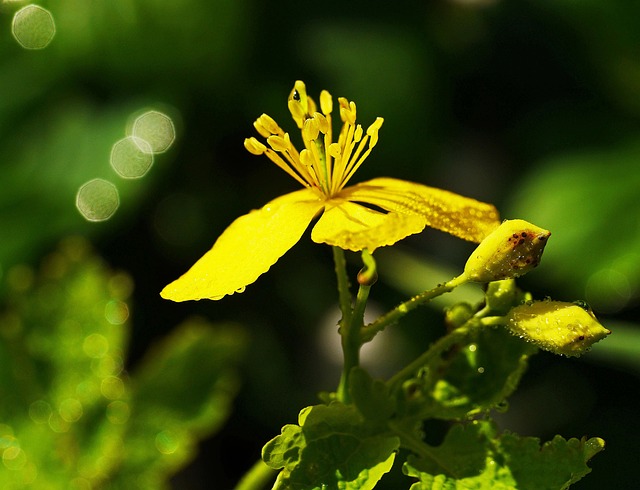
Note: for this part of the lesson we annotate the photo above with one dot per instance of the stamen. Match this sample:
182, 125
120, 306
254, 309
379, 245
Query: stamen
372, 131
308, 159
326, 102
266, 126
322, 164
334, 150
277, 159
254, 147
322, 122
300, 104
310, 131
347, 111
278, 143
297, 112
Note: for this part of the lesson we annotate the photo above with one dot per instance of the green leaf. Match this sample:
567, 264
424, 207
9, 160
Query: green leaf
70, 411
587, 199
556, 464
371, 397
475, 456
463, 460
332, 447
182, 392
64, 330
471, 378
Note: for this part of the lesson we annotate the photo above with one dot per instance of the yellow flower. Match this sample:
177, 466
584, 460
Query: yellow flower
369, 215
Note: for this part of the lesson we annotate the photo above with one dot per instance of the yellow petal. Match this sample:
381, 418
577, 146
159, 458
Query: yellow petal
352, 226
247, 248
443, 210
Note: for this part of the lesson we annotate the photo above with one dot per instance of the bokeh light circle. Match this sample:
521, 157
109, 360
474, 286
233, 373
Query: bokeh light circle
33, 27
14, 458
156, 129
40, 411
116, 312
70, 410
131, 157
97, 200
167, 442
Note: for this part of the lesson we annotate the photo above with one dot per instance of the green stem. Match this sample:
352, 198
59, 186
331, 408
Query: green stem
351, 325
370, 331
350, 350
436, 349
351, 343
494, 321
257, 477
343, 284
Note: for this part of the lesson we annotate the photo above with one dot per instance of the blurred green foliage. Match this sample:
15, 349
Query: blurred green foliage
532, 105
71, 414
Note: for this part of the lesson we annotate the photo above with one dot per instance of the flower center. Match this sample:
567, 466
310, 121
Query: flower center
323, 164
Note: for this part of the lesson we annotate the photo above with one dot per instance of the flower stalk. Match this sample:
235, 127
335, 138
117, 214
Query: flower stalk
437, 348
353, 319
371, 330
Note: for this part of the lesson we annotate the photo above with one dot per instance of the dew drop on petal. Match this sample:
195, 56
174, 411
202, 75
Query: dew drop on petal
156, 129
97, 200
33, 27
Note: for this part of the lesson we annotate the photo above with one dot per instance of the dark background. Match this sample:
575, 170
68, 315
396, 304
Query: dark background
531, 105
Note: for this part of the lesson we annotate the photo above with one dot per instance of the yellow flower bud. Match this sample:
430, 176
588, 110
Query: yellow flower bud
511, 250
556, 326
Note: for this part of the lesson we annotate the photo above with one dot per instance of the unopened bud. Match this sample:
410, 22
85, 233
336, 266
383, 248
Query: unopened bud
555, 326
457, 315
511, 250
501, 296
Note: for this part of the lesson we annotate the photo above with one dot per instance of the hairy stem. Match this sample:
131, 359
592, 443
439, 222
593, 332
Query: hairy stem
350, 349
352, 321
436, 349
343, 284
370, 331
